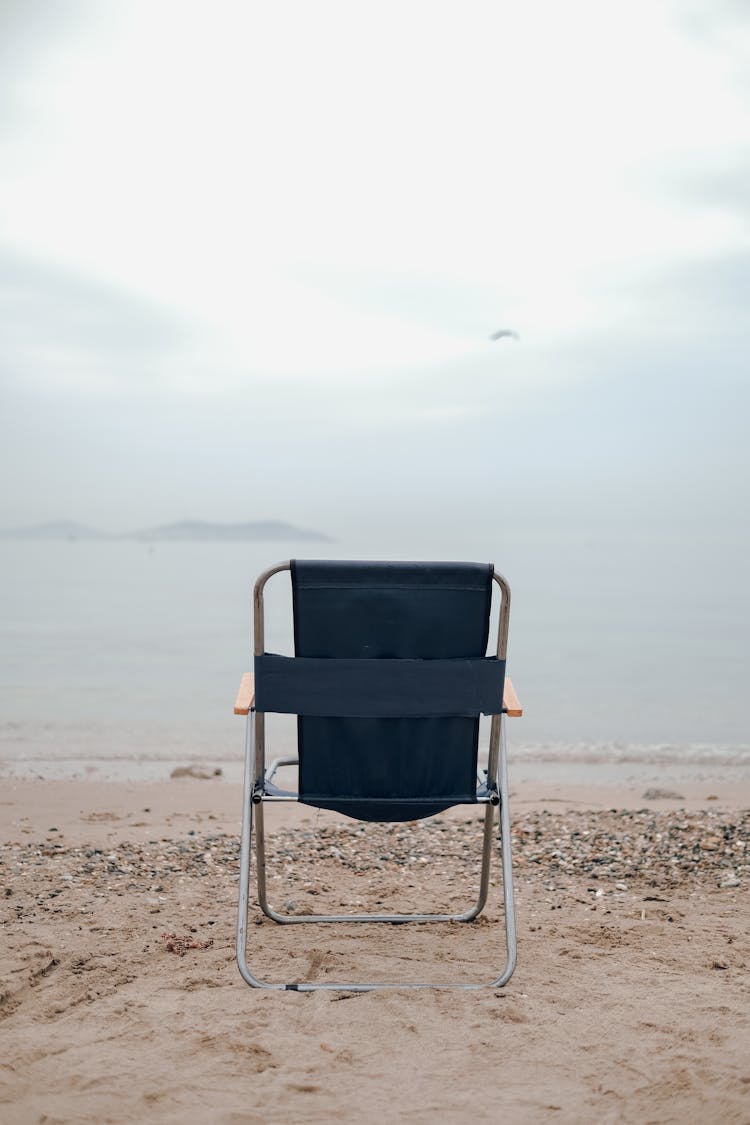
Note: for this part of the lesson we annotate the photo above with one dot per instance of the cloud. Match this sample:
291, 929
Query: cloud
696, 311
707, 18
62, 328
267, 153
277, 271
720, 28
33, 33
465, 306
723, 186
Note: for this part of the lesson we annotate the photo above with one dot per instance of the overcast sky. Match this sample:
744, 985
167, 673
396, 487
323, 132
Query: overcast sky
251, 255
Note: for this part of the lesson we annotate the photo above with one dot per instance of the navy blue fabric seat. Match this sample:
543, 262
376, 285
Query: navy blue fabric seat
392, 767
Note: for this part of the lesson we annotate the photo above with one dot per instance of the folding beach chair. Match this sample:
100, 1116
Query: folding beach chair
388, 681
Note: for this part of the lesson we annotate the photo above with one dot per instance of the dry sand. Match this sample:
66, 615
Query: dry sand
630, 1002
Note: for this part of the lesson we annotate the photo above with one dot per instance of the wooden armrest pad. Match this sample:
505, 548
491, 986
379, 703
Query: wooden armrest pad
246, 694
511, 702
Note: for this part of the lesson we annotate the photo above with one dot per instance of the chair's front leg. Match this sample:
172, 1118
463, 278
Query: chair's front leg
508, 900
245, 849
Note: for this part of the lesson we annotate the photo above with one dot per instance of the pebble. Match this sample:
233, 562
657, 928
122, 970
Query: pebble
612, 849
662, 795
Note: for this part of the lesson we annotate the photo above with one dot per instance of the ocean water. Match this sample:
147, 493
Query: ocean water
121, 659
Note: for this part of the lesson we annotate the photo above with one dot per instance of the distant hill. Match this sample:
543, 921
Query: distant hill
259, 531
58, 529
184, 531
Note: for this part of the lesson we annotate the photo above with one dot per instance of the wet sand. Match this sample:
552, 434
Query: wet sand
120, 999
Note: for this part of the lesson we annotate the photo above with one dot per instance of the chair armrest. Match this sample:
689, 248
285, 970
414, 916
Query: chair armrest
246, 694
511, 702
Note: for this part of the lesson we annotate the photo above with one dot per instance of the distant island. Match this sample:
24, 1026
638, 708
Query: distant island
259, 530
58, 529
183, 531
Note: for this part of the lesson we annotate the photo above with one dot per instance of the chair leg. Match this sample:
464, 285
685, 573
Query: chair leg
310, 986
484, 875
245, 848
508, 898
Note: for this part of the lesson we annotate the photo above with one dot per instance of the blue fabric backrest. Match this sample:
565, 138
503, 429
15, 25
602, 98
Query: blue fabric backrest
389, 768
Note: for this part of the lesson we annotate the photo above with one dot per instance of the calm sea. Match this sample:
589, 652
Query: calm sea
120, 659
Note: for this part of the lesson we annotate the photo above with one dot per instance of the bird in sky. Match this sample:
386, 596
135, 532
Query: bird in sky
505, 333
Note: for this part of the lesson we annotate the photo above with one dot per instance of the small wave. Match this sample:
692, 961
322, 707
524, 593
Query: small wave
694, 753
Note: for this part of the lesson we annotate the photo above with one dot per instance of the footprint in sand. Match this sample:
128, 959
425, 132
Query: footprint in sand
256, 1059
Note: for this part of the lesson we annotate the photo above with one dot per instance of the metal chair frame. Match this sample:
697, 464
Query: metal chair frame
257, 777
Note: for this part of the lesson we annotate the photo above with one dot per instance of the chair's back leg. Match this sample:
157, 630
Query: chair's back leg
260, 861
484, 876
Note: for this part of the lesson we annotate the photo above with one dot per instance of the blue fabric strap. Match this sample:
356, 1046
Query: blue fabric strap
381, 688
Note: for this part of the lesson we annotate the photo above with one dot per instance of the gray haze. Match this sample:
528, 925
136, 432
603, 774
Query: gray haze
164, 340
251, 256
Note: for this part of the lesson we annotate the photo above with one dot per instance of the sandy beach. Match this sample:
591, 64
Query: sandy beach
120, 998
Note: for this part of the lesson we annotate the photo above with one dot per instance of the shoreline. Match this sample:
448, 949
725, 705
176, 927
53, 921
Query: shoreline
137, 807
723, 768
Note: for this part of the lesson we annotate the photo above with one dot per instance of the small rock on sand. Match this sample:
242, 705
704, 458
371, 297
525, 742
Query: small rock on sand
195, 771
